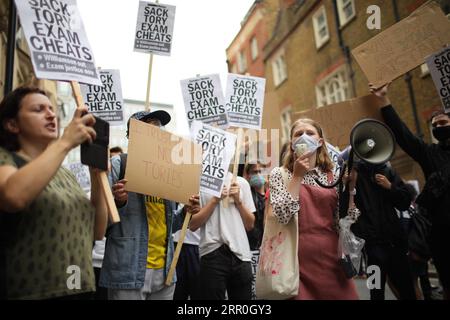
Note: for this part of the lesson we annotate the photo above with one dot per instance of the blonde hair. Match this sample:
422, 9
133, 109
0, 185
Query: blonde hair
323, 160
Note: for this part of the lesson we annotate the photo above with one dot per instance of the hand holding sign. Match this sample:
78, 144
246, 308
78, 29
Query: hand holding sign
119, 192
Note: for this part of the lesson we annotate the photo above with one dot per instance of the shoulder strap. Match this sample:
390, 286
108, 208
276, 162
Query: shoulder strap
123, 165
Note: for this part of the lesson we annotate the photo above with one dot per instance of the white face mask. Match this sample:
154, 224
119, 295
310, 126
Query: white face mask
305, 145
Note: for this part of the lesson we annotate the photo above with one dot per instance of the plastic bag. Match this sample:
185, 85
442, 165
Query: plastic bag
350, 248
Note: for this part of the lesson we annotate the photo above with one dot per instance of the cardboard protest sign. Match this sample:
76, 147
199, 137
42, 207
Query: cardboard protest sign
204, 101
161, 164
218, 148
81, 173
338, 119
245, 101
105, 101
404, 46
154, 29
58, 44
439, 65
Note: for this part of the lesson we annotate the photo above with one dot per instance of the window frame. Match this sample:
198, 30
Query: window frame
343, 20
320, 41
279, 68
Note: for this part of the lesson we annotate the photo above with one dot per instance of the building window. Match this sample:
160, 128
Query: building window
254, 48
321, 33
279, 68
333, 89
286, 124
346, 10
242, 62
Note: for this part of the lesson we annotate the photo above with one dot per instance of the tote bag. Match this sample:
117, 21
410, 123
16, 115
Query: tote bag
277, 274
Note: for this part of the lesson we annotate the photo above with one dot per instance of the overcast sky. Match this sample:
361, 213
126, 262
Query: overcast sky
203, 30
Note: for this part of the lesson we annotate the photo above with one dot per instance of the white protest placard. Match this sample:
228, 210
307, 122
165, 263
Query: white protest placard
105, 101
334, 153
218, 148
245, 101
255, 262
154, 28
81, 173
204, 101
58, 44
439, 65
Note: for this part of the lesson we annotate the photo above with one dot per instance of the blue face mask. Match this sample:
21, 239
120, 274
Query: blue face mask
257, 181
305, 145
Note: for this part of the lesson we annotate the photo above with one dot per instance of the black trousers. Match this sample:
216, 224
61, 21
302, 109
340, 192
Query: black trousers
393, 262
188, 270
221, 271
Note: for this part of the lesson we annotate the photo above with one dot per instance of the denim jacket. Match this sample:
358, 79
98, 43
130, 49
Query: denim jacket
125, 260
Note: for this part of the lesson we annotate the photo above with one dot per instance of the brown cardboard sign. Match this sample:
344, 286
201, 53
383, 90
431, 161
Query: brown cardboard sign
162, 164
337, 120
404, 46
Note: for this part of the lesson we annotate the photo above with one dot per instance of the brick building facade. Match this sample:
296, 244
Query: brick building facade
308, 63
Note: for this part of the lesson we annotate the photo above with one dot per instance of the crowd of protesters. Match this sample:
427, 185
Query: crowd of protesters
48, 223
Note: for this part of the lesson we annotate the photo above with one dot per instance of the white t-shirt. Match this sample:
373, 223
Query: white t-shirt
225, 225
191, 237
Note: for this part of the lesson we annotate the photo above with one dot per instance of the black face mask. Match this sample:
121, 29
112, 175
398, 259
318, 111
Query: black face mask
442, 134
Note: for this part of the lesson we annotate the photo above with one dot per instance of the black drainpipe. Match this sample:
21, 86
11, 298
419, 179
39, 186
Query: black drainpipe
408, 80
344, 47
11, 45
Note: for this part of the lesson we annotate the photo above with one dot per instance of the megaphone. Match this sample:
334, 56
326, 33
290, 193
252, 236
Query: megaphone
372, 141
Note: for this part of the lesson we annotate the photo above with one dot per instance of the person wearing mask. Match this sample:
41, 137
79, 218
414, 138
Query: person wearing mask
321, 275
434, 159
47, 222
252, 173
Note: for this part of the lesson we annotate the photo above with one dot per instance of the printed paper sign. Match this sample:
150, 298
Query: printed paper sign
245, 101
58, 44
105, 101
218, 147
154, 29
161, 164
81, 173
439, 65
204, 101
404, 46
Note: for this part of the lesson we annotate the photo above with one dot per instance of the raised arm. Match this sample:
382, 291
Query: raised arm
19, 187
412, 145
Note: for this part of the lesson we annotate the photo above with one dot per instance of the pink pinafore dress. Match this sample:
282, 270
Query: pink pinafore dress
321, 276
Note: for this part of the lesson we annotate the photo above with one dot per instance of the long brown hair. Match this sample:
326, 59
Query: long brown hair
323, 160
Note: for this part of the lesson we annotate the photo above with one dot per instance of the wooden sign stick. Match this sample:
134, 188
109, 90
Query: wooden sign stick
176, 255
149, 82
237, 156
101, 176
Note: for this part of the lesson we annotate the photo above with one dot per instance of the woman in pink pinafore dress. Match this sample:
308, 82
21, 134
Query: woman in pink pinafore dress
321, 275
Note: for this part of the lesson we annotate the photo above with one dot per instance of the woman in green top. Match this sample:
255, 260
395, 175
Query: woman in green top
47, 223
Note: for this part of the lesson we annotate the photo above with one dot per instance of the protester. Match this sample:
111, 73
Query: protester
252, 173
380, 191
225, 257
139, 249
434, 160
188, 266
47, 222
321, 276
